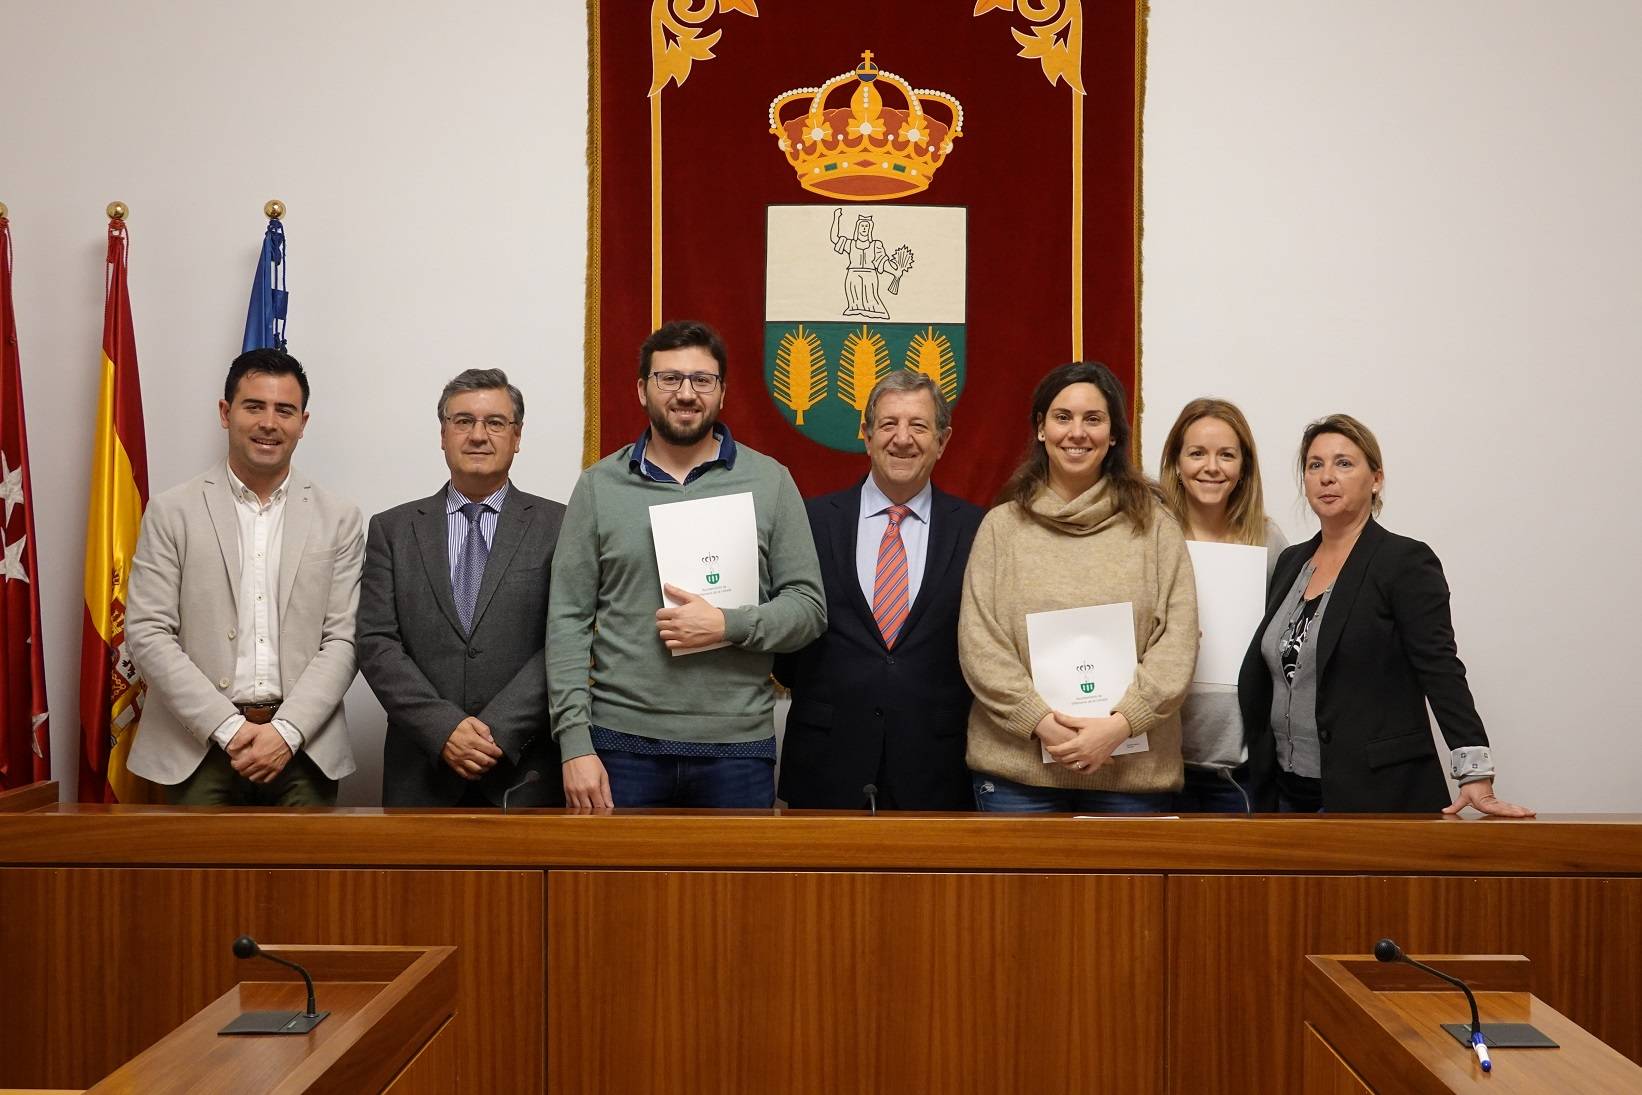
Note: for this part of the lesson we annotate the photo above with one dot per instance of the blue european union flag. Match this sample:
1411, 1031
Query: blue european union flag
265, 320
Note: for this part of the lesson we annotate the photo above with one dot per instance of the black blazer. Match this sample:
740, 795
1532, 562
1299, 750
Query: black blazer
856, 704
428, 675
1385, 648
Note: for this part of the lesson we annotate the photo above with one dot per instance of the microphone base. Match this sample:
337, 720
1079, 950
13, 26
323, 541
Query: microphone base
273, 1022
1503, 1035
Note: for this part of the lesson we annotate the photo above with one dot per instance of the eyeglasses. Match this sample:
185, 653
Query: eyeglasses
701, 383
464, 423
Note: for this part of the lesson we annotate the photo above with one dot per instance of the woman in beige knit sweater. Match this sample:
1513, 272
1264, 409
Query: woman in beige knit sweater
1076, 525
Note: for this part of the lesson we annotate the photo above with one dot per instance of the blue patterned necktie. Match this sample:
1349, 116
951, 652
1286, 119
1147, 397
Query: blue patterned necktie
470, 568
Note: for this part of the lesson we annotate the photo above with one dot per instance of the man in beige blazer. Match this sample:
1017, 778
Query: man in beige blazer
240, 613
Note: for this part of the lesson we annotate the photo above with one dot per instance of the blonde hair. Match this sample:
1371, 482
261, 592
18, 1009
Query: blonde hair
1354, 432
1246, 505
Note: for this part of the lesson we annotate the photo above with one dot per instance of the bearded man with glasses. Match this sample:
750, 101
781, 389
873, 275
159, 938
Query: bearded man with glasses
642, 727
453, 617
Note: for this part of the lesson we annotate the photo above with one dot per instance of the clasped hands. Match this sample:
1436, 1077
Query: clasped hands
258, 751
1082, 745
471, 750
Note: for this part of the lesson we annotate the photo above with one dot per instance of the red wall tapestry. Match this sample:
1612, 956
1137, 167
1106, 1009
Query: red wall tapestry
849, 188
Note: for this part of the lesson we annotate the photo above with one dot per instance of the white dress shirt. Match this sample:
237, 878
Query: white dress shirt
256, 645
869, 534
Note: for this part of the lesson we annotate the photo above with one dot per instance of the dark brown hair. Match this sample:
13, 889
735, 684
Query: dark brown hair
1134, 498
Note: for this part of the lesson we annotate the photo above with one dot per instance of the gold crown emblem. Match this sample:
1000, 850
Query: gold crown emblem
867, 150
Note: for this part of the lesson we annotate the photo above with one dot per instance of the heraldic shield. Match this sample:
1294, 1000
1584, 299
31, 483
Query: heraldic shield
852, 292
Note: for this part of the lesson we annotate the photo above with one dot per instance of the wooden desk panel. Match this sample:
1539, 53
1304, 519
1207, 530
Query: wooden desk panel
1237, 943
1246, 898
813, 840
116, 958
738, 982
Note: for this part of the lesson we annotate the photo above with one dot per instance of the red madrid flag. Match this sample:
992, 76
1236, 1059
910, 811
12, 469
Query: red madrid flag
25, 740
111, 690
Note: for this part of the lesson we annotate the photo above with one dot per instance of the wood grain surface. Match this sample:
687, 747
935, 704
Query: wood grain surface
35, 796
794, 983
1322, 1070
99, 904
1394, 1040
1237, 946
814, 840
110, 960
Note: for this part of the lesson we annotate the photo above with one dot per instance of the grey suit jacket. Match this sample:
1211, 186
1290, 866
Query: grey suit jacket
429, 675
181, 615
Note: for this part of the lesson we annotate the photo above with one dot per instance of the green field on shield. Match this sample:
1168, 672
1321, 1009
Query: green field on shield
832, 421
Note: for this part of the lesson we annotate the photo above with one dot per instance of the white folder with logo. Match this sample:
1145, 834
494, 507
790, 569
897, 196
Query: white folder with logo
1231, 602
709, 547
1083, 660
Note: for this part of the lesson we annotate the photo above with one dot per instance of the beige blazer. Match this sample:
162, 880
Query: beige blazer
181, 617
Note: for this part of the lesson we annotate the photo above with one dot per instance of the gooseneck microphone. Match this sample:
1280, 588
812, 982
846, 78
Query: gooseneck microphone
871, 791
1387, 950
274, 1022
530, 777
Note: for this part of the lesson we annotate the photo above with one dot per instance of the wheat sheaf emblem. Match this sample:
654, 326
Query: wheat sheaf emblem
800, 379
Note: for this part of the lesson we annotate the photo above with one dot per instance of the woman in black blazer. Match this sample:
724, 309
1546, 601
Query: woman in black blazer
1356, 639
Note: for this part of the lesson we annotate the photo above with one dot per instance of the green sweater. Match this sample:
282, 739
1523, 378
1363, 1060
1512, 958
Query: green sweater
605, 663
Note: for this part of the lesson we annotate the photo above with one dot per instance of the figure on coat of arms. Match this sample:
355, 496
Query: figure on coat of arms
868, 259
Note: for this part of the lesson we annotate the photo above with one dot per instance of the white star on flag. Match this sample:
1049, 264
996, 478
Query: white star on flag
12, 564
11, 487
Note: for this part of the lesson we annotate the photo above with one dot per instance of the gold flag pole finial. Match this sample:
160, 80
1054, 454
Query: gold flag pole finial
274, 209
117, 211
2, 209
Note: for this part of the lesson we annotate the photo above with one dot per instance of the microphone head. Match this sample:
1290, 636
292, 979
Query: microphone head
532, 776
246, 947
1387, 951
870, 789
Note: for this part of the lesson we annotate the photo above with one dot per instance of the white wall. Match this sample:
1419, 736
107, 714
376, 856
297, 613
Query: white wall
1425, 214
432, 159
1421, 213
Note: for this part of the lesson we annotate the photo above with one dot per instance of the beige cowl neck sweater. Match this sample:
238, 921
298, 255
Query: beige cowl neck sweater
1081, 552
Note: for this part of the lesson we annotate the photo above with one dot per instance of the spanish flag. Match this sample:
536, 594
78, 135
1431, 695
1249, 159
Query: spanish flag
111, 691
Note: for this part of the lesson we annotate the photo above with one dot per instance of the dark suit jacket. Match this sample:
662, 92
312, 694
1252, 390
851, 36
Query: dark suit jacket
1386, 647
429, 675
861, 712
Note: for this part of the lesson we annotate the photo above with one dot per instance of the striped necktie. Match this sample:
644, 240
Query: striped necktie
889, 582
470, 567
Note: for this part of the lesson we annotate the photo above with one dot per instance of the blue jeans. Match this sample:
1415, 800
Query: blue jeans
736, 783
994, 794
1209, 791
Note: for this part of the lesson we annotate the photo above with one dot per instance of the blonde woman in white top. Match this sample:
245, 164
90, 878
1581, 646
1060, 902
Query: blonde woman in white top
1210, 481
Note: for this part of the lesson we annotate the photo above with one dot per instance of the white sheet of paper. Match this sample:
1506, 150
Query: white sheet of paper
1083, 660
709, 547
1231, 601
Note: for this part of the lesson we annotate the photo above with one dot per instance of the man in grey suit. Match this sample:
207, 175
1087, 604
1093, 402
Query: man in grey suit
240, 612
453, 618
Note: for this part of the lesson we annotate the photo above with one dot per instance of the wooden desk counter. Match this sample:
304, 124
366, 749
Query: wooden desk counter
817, 840
799, 951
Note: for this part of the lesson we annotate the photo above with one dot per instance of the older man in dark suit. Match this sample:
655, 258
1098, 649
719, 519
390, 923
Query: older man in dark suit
879, 699
453, 618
